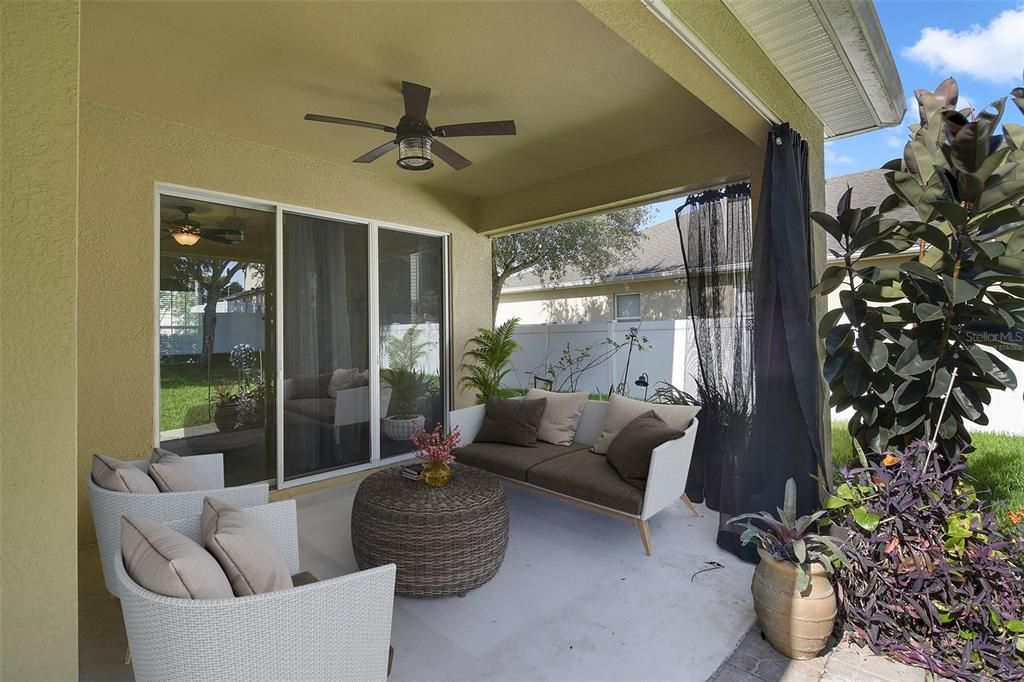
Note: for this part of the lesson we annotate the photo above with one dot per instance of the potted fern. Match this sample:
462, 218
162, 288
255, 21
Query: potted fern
486, 362
404, 354
792, 587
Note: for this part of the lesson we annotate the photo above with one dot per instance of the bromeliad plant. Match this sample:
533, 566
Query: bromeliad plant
892, 345
932, 578
787, 538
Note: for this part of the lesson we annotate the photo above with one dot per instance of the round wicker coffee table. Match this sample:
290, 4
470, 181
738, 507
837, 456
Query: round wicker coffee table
445, 541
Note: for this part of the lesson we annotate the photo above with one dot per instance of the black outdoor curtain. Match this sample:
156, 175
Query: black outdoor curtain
785, 438
715, 237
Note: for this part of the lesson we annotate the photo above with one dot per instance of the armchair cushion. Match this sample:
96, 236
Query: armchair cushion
630, 452
622, 411
243, 549
171, 473
168, 563
306, 387
561, 415
340, 380
511, 421
122, 477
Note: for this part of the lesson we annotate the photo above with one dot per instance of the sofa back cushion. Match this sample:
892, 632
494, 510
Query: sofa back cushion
561, 415
630, 452
341, 379
622, 411
123, 477
244, 550
168, 563
511, 421
297, 388
171, 473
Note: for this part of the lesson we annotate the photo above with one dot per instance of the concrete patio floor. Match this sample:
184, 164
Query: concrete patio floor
576, 599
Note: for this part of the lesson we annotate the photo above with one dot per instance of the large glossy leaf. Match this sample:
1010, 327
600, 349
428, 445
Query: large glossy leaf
828, 320
1000, 195
873, 351
831, 279
853, 306
920, 271
927, 312
958, 290
835, 364
857, 376
840, 336
970, 146
845, 201
829, 224
915, 360
910, 393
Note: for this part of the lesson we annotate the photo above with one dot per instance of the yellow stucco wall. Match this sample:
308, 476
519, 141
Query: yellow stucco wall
39, 147
122, 155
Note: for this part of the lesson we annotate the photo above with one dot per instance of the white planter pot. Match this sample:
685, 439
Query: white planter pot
401, 429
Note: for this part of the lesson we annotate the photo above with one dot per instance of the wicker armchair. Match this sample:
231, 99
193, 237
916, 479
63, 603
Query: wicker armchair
108, 506
337, 629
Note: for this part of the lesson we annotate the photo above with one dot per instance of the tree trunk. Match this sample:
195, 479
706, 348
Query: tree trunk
210, 325
497, 282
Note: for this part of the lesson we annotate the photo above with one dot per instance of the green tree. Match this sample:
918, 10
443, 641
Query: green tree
213, 277
590, 245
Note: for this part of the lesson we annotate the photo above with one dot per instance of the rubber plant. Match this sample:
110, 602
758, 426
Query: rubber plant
954, 293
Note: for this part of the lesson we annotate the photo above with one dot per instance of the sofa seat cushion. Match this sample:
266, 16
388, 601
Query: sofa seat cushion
317, 409
511, 461
589, 477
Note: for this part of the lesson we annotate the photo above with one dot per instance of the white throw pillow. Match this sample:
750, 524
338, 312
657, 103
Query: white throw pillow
340, 380
622, 411
168, 563
561, 415
243, 549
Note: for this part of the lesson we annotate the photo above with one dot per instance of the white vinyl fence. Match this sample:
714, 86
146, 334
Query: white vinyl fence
672, 357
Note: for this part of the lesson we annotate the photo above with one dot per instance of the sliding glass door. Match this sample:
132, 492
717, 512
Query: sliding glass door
412, 319
325, 391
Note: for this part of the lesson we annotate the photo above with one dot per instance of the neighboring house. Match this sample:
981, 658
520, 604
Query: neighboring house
650, 286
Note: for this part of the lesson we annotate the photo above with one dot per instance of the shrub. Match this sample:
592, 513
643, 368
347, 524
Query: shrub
932, 579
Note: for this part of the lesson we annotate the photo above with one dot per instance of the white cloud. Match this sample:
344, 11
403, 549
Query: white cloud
836, 159
994, 52
895, 142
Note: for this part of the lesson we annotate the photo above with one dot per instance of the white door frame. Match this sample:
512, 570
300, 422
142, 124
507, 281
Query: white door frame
373, 227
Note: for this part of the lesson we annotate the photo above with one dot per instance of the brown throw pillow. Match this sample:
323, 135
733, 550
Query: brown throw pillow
123, 477
243, 549
168, 563
511, 421
630, 452
172, 473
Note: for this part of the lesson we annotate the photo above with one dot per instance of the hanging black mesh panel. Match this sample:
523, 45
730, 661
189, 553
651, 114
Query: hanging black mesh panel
715, 236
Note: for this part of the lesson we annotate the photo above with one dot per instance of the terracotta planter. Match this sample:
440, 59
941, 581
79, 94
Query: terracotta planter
798, 625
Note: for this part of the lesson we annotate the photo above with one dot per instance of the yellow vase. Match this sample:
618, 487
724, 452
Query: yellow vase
435, 474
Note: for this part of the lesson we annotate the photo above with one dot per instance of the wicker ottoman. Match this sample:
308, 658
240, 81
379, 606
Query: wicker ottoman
444, 541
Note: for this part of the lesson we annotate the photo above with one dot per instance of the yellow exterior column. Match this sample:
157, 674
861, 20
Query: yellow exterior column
38, 339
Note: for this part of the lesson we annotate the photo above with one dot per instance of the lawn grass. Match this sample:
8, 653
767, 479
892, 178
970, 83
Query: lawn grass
996, 465
185, 391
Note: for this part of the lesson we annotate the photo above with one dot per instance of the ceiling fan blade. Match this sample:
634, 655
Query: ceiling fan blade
450, 156
376, 152
416, 97
476, 129
348, 122
219, 238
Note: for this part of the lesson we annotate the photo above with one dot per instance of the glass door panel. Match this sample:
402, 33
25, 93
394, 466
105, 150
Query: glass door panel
216, 334
413, 371
326, 320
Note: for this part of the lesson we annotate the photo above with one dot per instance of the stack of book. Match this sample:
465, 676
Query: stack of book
413, 472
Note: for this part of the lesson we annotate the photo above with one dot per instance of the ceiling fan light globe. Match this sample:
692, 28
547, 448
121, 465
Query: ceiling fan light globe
185, 238
414, 153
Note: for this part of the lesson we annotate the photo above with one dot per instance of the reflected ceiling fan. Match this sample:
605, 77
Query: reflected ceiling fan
416, 141
187, 231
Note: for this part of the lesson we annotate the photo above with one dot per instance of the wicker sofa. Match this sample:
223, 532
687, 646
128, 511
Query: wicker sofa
575, 474
336, 629
108, 506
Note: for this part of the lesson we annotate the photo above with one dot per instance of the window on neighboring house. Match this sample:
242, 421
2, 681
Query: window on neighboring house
627, 307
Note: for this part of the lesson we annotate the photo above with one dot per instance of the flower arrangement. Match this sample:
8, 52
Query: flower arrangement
435, 449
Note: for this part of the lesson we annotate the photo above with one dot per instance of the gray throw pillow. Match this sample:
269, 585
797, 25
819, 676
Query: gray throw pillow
123, 477
561, 415
171, 473
245, 551
630, 452
168, 563
511, 421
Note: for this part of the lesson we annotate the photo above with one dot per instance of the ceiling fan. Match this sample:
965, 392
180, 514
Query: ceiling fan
188, 232
416, 141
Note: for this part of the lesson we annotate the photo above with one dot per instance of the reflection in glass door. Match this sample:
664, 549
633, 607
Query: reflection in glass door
413, 372
325, 391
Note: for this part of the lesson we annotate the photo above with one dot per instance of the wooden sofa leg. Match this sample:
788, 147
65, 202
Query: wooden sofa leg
645, 535
689, 504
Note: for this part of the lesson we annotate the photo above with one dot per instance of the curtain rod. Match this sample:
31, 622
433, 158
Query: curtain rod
707, 196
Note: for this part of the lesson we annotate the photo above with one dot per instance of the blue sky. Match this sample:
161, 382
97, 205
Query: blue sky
978, 42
